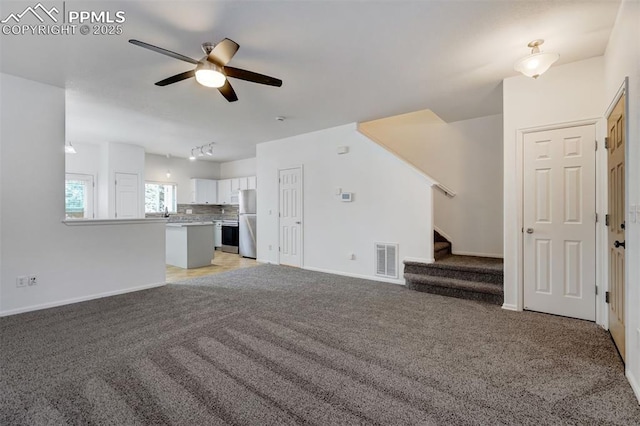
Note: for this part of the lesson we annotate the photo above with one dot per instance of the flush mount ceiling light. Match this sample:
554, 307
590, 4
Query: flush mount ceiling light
69, 149
210, 75
537, 62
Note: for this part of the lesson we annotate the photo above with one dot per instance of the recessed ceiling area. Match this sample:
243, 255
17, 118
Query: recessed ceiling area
340, 62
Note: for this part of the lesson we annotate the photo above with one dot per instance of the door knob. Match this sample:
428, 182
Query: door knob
619, 244
529, 230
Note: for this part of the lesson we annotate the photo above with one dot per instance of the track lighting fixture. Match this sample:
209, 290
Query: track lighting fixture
201, 151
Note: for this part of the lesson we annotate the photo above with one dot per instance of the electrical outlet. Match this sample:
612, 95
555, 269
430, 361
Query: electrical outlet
22, 281
33, 280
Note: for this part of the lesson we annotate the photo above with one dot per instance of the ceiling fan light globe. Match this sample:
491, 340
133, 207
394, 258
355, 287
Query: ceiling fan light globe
536, 64
209, 76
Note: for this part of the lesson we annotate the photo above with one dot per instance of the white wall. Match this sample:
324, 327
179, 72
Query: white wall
392, 201
72, 262
622, 59
182, 170
85, 161
466, 157
566, 93
238, 168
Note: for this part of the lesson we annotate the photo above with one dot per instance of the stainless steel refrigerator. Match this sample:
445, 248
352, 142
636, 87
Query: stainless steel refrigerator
247, 219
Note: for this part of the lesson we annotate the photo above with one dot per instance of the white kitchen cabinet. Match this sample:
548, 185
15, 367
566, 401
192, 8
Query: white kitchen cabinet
228, 189
224, 191
252, 182
242, 184
204, 191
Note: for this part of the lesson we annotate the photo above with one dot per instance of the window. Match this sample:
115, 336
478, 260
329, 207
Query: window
78, 197
160, 196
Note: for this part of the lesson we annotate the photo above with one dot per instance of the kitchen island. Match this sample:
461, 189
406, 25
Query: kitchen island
189, 245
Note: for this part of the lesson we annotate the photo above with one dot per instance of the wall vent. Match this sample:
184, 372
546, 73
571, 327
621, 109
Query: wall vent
387, 260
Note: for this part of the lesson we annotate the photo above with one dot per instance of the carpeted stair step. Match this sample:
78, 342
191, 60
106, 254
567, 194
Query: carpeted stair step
441, 250
453, 287
451, 267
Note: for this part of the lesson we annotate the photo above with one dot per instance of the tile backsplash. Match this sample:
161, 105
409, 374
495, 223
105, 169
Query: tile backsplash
202, 213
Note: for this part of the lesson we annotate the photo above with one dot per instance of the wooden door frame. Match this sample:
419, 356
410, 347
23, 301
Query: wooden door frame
622, 90
301, 167
601, 208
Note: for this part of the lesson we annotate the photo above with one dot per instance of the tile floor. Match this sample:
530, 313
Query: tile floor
222, 262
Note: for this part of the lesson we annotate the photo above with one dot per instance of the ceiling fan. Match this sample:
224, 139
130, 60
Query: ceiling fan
212, 69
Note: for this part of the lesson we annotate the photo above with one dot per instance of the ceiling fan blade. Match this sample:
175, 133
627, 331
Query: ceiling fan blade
251, 76
176, 78
223, 52
163, 51
228, 92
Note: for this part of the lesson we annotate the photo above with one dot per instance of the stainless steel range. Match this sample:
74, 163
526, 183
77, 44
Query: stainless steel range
230, 236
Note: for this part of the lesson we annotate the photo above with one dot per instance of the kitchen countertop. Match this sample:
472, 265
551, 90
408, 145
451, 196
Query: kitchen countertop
181, 224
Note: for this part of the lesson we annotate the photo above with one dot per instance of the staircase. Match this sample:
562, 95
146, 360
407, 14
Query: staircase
466, 277
441, 246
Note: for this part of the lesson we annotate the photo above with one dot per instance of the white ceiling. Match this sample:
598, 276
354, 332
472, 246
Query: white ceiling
341, 61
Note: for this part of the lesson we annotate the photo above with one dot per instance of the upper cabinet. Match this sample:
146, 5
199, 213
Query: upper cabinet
224, 191
204, 191
228, 189
252, 182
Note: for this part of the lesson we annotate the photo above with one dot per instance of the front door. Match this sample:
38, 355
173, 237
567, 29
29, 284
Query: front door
616, 177
127, 196
559, 221
290, 181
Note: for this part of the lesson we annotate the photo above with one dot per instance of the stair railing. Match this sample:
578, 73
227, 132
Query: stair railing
447, 191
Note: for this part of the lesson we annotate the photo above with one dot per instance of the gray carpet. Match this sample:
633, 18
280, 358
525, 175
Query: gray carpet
275, 345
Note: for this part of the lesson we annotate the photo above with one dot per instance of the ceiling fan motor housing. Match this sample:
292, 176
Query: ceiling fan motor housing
207, 47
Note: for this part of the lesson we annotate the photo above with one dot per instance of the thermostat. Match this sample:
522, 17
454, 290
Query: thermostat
346, 197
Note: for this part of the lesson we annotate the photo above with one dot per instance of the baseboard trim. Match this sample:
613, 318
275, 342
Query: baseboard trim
469, 253
78, 299
418, 259
361, 276
266, 262
509, 307
635, 385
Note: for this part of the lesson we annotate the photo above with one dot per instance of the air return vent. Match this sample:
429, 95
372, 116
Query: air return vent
387, 260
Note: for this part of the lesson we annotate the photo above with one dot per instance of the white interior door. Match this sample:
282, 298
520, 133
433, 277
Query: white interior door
290, 181
559, 221
126, 196
616, 223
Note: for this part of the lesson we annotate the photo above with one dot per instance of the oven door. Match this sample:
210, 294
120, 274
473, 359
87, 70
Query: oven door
230, 238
